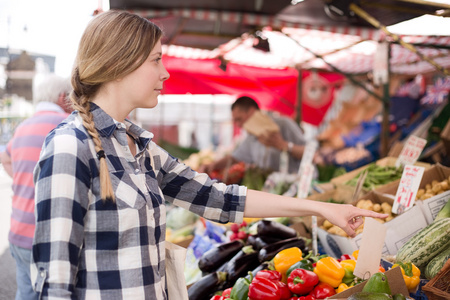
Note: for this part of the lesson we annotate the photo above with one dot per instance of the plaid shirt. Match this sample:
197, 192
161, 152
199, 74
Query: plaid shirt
85, 248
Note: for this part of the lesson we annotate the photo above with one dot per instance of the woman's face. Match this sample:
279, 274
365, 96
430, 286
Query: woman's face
146, 82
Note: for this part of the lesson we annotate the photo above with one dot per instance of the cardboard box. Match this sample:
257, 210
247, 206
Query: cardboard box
387, 161
431, 206
402, 227
399, 231
395, 280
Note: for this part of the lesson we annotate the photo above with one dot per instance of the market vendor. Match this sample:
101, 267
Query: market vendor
263, 150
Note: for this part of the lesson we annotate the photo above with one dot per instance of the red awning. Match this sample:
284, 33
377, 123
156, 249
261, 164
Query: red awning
274, 89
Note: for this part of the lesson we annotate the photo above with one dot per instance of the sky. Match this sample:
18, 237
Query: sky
54, 27
51, 27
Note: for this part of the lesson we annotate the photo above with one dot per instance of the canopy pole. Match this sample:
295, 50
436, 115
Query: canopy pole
385, 130
396, 38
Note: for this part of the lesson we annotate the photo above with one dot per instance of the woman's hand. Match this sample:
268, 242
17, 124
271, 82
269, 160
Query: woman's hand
348, 217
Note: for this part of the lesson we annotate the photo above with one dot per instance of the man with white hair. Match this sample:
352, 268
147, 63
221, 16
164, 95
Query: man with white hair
19, 159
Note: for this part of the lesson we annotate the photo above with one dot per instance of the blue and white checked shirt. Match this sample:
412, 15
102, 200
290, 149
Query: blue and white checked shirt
85, 248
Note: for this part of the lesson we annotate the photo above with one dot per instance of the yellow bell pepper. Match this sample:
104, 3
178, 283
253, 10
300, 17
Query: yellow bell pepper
411, 275
342, 287
330, 271
286, 258
355, 254
348, 263
349, 267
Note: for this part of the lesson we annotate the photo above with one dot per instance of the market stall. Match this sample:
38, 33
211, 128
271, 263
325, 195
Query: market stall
278, 258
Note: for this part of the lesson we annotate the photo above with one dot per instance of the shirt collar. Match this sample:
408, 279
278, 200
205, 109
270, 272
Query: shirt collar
106, 125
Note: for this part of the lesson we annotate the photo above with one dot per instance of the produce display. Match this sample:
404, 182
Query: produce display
377, 176
428, 243
272, 262
384, 207
432, 189
267, 259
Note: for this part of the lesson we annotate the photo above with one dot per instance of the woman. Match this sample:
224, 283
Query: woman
101, 182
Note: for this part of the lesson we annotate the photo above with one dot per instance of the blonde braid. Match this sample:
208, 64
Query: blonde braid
82, 104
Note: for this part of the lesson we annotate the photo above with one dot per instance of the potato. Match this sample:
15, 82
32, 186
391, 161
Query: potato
426, 196
337, 230
436, 188
386, 208
377, 207
444, 185
326, 224
420, 192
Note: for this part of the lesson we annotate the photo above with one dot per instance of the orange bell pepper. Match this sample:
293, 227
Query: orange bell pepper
330, 271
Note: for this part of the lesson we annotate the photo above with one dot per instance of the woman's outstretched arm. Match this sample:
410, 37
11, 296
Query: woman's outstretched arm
265, 205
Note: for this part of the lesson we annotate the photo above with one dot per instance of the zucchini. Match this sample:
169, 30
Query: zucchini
437, 263
444, 212
426, 244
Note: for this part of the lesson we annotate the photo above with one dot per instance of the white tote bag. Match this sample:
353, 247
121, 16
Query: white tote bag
176, 283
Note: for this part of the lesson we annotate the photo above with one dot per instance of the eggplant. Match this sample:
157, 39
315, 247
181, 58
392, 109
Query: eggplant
270, 239
268, 252
212, 259
206, 286
238, 266
262, 266
263, 241
275, 229
259, 243
251, 240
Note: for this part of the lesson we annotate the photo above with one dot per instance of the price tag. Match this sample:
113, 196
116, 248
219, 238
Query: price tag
411, 151
372, 242
407, 189
306, 172
304, 184
308, 154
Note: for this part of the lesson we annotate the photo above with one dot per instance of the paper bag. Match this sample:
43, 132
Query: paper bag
260, 124
176, 283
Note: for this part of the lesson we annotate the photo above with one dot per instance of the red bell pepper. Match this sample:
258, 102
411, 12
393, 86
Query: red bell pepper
263, 289
345, 257
309, 297
322, 290
285, 293
217, 297
226, 293
269, 274
302, 281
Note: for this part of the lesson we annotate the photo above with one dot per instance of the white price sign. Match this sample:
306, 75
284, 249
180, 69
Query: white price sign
304, 184
407, 189
411, 151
